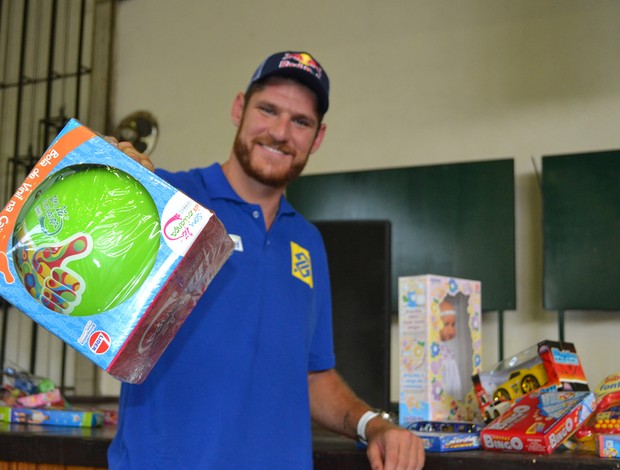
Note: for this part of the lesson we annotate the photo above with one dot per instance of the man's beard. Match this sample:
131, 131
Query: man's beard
242, 153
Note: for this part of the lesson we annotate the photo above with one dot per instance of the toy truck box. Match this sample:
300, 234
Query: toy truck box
539, 422
548, 364
106, 255
440, 348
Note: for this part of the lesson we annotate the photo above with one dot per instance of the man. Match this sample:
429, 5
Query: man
254, 362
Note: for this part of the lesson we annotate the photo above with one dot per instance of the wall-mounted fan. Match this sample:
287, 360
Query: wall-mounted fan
141, 129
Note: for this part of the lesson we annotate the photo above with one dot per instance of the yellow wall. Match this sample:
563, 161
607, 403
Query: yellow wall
413, 82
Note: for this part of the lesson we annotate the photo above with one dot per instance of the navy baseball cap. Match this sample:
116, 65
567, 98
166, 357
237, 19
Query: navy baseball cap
300, 66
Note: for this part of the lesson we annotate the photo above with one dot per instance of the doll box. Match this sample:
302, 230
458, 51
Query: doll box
51, 417
439, 347
106, 255
539, 422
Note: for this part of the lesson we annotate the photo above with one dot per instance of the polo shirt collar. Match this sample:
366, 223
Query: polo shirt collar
220, 188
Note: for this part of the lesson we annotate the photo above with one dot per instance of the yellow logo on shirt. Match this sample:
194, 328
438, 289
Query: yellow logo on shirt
300, 264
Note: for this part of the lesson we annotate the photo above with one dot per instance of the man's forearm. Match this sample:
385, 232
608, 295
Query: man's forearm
333, 404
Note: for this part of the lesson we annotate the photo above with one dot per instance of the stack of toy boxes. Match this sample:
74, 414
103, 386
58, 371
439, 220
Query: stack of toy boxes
440, 348
53, 282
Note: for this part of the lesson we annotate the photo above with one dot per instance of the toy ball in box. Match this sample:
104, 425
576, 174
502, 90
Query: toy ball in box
548, 364
539, 422
440, 348
106, 255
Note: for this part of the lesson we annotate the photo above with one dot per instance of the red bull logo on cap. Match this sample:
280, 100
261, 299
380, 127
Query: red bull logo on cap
301, 61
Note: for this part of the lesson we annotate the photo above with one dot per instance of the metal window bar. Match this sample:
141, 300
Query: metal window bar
46, 59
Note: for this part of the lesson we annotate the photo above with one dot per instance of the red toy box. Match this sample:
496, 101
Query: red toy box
539, 422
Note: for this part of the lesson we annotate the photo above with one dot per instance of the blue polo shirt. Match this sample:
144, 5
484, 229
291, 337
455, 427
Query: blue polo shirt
231, 389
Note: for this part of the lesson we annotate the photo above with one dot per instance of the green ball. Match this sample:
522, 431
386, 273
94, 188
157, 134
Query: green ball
86, 239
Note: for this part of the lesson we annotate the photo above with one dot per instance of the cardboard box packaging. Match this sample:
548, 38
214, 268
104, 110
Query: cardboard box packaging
539, 422
440, 348
447, 436
609, 446
104, 254
51, 417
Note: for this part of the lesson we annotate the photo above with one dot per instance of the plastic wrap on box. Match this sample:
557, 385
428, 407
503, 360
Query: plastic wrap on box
51, 417
106, 255
539, 422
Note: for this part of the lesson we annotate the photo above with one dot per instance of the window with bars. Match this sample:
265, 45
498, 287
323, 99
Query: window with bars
54, 65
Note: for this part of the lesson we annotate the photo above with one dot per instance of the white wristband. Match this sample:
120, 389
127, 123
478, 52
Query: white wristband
363, 422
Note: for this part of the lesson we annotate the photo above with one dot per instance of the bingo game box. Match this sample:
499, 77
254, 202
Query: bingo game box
539, 422
440, 348
106, 255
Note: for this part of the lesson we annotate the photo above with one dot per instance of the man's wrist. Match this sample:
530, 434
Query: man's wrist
362, 424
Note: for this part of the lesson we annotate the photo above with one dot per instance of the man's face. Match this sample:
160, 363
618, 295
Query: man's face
277, 132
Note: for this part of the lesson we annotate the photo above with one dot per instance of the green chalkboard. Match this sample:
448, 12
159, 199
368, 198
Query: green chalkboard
453, 220
581, 231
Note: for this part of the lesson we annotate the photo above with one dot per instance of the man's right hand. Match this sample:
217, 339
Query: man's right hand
128, 149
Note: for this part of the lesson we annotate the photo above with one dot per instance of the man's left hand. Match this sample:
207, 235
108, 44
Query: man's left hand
393, 448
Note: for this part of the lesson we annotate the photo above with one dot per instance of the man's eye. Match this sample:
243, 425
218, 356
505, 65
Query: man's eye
303, 122
266, 109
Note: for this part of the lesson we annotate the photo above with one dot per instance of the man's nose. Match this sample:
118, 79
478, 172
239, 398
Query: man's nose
281, 129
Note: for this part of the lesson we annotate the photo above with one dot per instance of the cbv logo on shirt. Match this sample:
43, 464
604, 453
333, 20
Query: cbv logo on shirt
301, 266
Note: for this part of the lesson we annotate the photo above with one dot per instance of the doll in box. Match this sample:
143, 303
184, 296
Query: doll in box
447, 334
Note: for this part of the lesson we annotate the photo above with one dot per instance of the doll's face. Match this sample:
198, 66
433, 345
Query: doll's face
448, 331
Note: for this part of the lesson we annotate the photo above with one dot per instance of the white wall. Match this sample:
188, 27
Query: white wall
413, 82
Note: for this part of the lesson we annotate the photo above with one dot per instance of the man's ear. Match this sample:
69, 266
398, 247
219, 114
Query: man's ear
236, 113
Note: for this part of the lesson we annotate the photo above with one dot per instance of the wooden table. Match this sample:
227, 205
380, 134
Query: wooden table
56, 447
